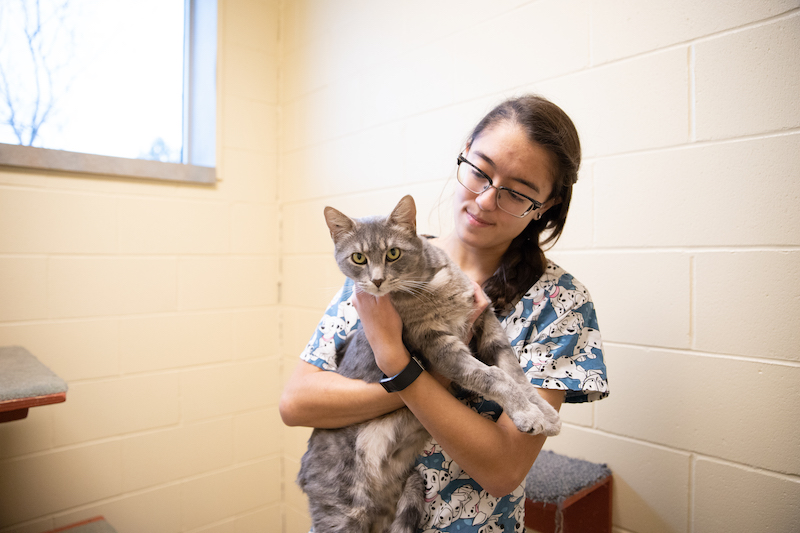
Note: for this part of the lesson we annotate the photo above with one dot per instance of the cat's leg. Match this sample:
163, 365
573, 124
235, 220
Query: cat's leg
360, 511
452, 358
331, 514
411, 505
384, 451
333, 523
327, 475
494, 349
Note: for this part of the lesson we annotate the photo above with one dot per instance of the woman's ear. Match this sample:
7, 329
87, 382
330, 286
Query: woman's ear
546, 206
552, 202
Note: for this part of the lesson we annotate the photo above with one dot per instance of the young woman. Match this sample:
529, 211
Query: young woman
516, 174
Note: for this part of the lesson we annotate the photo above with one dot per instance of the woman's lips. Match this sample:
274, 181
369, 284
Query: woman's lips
477, 221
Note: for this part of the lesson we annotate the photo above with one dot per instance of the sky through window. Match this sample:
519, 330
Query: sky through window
93, 76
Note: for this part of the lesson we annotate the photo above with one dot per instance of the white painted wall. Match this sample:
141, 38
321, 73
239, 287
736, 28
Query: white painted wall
684, 223
161, 304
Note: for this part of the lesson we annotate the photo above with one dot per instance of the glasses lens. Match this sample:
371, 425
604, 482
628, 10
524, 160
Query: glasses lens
476, 182
470, 178
513, 203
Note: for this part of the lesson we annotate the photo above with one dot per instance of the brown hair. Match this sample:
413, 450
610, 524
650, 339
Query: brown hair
548, 126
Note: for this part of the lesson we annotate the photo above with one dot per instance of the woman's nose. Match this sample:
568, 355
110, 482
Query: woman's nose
487, 199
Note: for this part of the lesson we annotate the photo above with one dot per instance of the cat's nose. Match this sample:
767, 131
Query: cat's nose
377, 282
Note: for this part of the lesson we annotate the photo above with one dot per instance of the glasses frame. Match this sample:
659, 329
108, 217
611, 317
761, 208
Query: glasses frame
534, 203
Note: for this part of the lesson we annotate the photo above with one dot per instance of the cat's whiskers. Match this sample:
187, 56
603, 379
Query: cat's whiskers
418, 289
422, 283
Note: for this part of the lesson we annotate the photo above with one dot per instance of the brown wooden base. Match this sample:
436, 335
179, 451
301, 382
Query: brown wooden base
17, 409
588, 510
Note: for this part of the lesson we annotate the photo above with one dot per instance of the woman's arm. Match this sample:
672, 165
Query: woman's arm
322, 399
495, 454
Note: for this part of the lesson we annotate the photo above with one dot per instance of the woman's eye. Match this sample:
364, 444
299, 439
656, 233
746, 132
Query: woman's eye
359, 258
393, 254
516, 197
477, 175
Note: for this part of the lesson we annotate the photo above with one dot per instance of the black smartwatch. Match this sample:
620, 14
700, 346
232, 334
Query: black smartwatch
405, 378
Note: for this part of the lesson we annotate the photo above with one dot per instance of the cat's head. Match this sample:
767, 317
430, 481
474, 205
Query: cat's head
380, 254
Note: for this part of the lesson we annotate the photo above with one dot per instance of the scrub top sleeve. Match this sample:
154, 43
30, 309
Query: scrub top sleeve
555, 334
331, 333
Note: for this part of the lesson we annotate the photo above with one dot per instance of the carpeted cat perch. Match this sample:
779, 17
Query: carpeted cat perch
25, 383
567, 495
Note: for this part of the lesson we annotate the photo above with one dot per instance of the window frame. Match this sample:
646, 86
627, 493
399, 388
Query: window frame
198, 164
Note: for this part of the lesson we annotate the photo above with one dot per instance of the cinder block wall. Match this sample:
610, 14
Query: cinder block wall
684, 224
158, 304
170, 309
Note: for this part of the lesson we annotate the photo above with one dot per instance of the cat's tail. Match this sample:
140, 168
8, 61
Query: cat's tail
411, 505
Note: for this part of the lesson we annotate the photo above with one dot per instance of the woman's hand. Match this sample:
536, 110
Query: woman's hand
384, 330
479, 304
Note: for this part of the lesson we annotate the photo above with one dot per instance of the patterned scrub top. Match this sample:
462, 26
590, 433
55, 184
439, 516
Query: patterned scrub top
554, 332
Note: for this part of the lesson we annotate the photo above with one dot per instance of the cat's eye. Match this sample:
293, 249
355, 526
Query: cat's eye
393, 254
359, 258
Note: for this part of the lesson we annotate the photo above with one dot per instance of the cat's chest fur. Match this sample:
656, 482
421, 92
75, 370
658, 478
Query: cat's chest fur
444, 305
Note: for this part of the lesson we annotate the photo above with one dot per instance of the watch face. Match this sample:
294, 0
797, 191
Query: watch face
405, 378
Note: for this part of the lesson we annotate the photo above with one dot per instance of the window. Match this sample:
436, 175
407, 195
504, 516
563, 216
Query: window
123, 88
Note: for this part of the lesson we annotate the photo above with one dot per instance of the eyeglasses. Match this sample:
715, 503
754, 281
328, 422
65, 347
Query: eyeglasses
477, 181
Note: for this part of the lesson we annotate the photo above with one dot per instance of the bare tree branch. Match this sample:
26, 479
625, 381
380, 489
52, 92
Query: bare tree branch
12, 112
29, 112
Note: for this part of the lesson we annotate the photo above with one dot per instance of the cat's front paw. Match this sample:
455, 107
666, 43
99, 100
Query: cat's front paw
551, 428
534, 422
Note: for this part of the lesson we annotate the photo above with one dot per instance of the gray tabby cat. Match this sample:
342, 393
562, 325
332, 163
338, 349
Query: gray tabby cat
361, 478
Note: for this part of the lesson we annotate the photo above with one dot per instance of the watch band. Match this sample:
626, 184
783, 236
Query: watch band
405, 378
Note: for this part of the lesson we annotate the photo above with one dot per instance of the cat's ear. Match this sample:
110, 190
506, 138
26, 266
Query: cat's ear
338, 222
405, 213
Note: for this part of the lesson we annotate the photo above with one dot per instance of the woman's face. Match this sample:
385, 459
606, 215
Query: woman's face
506, 155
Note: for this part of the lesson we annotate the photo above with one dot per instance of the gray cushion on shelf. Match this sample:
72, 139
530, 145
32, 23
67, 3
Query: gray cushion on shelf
555, 477
23, 376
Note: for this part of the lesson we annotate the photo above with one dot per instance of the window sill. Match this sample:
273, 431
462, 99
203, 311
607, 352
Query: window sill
12, 155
